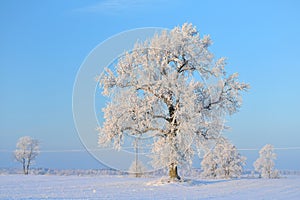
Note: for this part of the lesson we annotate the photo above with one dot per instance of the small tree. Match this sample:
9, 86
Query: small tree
223, 161
209, 165
137, 168
27, 150
163, 88
265, 163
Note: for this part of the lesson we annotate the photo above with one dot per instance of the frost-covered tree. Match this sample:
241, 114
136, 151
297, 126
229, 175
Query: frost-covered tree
137, 168
26, 151
169, 87
265, 163
223, 161
209, 165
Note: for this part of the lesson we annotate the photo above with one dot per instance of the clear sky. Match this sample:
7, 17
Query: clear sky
43, 43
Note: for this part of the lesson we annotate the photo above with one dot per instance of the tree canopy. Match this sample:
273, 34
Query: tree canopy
171, 88
27, 150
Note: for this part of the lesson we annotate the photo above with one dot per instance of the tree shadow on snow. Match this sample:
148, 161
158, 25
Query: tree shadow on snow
193, 182
187, 182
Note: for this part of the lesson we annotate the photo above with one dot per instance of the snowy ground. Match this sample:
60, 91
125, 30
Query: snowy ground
124, 187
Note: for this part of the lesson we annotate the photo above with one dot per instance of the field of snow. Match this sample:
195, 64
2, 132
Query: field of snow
125, 187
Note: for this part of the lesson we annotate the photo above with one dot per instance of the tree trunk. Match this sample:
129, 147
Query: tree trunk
24, 167
27, 169
27, 166
173, 174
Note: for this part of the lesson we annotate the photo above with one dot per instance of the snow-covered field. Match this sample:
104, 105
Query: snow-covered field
125, 187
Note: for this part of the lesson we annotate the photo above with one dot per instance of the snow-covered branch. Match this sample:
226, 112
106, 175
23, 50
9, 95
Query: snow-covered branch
154, 89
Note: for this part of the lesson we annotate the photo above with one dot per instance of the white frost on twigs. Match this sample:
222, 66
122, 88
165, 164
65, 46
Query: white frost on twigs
155, 89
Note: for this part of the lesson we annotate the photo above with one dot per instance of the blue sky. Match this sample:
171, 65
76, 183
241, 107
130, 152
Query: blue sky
43, 44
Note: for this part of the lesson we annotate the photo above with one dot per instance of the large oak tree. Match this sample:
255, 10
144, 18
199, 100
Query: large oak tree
172, 88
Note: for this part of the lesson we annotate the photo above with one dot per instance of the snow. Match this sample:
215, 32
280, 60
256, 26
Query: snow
126, 187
